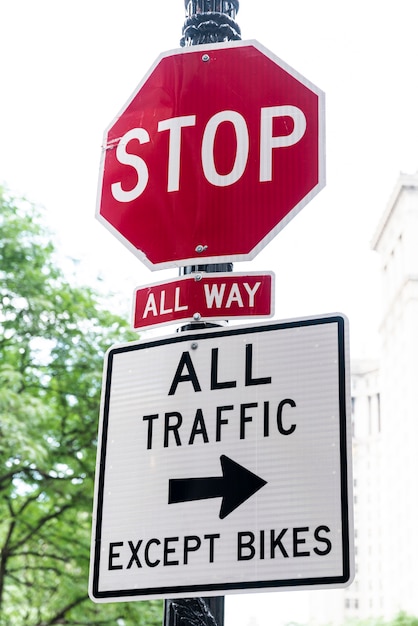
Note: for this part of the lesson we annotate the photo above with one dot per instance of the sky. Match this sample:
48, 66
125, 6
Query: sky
67, 68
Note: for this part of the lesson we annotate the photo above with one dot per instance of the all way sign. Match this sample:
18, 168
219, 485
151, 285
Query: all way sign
224, 463
204, 296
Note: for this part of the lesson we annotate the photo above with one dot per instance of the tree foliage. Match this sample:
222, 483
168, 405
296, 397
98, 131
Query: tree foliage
53, 337
401, 619
404, 619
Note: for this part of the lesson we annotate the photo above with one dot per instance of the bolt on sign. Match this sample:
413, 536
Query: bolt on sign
216, 150
224, 463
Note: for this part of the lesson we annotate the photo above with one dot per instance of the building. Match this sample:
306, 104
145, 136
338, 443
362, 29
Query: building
385, 436
396, 241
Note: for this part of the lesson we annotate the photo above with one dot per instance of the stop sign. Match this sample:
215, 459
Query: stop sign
216, 150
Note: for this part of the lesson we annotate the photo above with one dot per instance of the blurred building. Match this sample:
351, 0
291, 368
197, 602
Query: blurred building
385, 430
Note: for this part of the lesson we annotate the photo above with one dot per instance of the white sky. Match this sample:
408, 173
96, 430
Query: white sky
67, 67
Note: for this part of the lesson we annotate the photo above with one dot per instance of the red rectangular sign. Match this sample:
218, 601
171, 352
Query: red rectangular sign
201, 296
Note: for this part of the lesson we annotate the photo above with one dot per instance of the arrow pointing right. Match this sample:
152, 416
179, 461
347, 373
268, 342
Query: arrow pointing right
235, 486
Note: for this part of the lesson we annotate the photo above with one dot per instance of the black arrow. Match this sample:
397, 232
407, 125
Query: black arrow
235, 486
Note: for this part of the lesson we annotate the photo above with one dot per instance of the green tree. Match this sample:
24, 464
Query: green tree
401, 619
53, 337
404, 619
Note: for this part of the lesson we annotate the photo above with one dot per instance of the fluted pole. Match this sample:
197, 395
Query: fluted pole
210, 21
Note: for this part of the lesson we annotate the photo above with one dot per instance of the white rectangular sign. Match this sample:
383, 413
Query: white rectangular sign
224, 463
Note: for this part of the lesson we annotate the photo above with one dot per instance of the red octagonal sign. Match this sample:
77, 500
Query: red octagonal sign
217, 149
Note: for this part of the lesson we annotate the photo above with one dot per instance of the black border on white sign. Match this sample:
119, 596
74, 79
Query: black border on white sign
219, 588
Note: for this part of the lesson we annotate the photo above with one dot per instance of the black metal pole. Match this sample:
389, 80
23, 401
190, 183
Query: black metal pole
210, 21
207, 21
194, 612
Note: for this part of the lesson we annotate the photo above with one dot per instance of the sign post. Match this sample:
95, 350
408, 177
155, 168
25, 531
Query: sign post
224, 457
